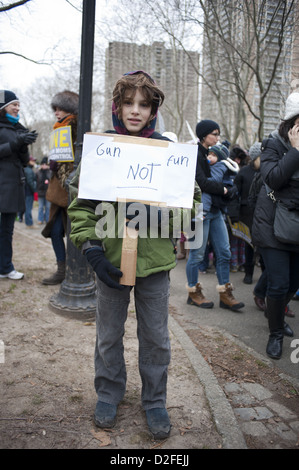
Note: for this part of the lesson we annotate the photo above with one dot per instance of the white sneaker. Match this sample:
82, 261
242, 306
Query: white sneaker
15, 275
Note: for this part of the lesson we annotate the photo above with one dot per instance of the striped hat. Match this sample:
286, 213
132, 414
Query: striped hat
7, 97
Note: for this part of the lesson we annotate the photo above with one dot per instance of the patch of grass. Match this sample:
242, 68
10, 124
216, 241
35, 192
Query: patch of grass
76, 398
37, 400
12, 287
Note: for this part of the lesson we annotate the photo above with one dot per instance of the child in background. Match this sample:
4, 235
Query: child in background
223, 169
136, 99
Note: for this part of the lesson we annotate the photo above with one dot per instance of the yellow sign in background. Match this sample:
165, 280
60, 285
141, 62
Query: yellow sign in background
61, 145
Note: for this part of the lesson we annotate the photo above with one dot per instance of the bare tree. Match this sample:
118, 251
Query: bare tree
246, 54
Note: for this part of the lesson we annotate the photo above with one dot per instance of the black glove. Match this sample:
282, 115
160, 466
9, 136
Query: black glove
102, 267
23, 138
30, 137
137, 209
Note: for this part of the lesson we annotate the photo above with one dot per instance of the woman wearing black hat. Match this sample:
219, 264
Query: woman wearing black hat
214, 227
14, 156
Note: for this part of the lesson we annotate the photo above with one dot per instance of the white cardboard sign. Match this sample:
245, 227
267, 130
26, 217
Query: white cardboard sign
115, 167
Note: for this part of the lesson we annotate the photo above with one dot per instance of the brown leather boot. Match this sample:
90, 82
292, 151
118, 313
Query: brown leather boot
197, 298
57, 277
227, 299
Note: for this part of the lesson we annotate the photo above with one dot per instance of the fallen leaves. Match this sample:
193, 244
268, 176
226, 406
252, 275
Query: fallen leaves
101, 436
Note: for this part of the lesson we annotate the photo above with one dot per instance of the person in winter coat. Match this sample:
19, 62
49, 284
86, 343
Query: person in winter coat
237, 245
214, 227
65, 106
280, 172
14, 156
136, 99
43, 176
30, 189
243, 182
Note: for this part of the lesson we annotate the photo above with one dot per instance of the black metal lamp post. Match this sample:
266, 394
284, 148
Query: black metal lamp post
77, 295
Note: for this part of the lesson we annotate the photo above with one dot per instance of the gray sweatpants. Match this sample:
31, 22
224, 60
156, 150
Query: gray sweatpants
151, 302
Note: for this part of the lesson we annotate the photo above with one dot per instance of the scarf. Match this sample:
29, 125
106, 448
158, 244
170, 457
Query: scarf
12, 119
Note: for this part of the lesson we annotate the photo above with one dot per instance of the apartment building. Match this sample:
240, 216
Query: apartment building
249, 46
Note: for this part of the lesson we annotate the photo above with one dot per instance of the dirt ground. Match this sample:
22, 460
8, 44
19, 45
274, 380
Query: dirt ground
47, 397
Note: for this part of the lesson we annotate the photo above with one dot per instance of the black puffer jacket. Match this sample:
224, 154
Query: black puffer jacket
279, 167
12, 178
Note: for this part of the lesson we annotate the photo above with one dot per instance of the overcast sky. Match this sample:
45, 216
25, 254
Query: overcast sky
42, 30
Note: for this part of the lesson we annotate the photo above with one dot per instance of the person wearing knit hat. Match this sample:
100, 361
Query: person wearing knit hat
280, 172
7, 97
255, 151
220, 150
206, 127
292, 106
214, 227
65, 107
14, 156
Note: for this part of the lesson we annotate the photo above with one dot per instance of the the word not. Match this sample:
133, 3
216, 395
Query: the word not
142, 172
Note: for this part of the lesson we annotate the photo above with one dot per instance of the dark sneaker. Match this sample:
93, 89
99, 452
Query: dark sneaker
105, 415
158, 422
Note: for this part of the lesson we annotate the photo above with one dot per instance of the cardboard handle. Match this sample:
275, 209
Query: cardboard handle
129, 256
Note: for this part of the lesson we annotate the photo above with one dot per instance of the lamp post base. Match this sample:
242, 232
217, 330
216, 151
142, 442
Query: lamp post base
75, 301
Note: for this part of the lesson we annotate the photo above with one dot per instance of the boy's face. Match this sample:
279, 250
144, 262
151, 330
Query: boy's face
212, 158
136, 112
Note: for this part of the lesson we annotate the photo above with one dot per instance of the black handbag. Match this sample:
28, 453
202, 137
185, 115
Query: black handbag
286, 221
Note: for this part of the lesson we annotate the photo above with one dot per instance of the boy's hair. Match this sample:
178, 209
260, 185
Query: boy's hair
132, 82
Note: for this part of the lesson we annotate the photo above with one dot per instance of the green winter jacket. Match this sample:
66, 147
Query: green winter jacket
153, 254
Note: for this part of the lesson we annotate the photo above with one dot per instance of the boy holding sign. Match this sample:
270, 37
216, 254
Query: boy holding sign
136, 99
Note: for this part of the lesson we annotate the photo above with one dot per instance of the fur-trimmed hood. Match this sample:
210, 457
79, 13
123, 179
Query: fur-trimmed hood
231, 165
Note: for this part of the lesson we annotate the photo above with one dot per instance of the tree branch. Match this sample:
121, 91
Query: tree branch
13, 5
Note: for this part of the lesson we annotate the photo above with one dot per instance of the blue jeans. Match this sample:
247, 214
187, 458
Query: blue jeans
7, 221
282, 269
57, 233
28, 210
43, 209
214, 228
151, 302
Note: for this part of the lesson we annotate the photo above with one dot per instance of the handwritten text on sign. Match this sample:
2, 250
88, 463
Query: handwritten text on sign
122, 167
61, 146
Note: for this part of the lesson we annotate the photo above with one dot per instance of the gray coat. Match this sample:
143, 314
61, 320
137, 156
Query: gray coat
12, 178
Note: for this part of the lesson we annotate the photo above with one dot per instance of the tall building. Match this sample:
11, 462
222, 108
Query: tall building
249, 45
174, 73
